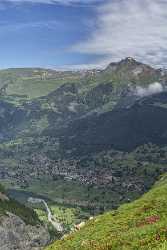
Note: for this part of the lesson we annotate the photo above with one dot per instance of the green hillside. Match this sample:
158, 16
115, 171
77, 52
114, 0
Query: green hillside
20, 84
141, 224
11, 206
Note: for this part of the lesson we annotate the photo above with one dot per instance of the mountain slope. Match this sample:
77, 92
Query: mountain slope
21, 84
27, 96
119, 129
138, 225
20, 227
8, 205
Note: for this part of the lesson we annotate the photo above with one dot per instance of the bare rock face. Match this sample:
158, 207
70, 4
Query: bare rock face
3, 197
16, 235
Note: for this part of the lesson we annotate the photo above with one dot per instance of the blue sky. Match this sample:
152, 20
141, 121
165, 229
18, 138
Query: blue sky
81, 33
42, 34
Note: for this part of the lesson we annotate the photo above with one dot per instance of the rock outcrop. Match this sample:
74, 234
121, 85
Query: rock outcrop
16, 235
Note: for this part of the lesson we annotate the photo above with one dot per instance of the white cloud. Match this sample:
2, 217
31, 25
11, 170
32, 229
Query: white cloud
153, 88
66, 2
136, 28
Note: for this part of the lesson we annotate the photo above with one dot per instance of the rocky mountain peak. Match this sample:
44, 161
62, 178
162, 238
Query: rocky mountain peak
129, 69
127, 62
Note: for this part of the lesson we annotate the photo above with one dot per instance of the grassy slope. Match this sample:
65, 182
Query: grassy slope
139, 225
18, 85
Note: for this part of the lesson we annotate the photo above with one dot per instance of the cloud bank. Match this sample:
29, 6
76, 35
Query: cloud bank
135, 28
153, 88
64, 2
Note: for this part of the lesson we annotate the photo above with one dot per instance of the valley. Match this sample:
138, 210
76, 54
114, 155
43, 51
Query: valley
83, 125
85, 142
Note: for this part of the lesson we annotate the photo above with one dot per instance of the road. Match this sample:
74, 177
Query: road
51, 218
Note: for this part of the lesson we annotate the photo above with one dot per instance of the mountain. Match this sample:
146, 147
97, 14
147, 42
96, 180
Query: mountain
20, 227
72, 136
137, 225
120, 129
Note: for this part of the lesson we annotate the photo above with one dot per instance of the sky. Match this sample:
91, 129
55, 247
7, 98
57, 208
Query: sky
74, 34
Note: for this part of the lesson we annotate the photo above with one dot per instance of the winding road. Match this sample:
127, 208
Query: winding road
51, 218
